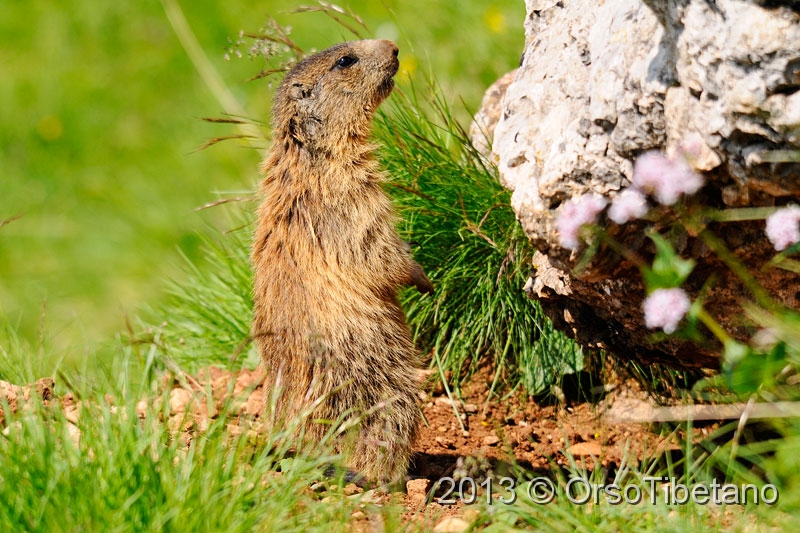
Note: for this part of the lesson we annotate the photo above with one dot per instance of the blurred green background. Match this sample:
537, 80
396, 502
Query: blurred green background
100, 121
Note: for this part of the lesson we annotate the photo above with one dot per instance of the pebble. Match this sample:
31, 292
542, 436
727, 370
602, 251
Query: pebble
470, 408
417, 490
491, 440
351, 489
452, 524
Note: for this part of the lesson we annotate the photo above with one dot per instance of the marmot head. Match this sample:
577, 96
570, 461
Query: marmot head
326, 102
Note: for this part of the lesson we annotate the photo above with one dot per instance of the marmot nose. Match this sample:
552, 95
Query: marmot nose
392, 47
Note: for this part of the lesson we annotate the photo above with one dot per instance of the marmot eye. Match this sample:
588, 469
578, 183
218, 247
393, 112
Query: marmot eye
346, 61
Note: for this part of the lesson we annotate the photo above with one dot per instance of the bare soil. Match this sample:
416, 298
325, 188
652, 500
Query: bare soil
518, 437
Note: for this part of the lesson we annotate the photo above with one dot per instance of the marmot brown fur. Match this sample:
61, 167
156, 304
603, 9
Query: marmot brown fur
329, 261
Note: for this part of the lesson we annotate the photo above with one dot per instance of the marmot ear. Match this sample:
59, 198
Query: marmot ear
299, 91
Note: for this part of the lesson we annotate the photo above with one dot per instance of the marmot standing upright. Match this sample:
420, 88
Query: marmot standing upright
328, 261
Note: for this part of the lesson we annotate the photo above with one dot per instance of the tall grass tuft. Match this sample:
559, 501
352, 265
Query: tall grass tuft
470, 244
113, 468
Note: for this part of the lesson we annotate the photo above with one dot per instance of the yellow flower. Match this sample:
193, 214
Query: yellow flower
495, 20
408, 65
50, 128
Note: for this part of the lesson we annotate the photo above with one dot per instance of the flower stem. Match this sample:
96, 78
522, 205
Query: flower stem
713, 326
732, 262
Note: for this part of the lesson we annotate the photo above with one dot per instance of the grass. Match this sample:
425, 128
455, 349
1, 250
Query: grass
123, 473
97, 156
126, 473
101, 122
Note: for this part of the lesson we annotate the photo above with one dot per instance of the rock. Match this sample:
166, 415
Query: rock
373, 496
255, 403
470, 408
74, 433
72, 411
18, 397
141, 408
417, 490
452, 524
444, 400
491, 440
445, 442
248, 379
471, 515
44, 388
592, 448
235, 430
601, 83
180, 401
351, 489
10, 394
481, 131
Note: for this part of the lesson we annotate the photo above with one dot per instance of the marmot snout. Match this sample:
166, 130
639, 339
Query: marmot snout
328, 260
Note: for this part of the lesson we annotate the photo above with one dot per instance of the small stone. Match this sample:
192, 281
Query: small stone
445, 442
44, 388
141, 408
471, 514
417, 490
452, 524
491, 440
178, 400
75, 433
234, 429
372, 496
585, 448
254, 404
351, 489
319, 487
444, 400
245, 380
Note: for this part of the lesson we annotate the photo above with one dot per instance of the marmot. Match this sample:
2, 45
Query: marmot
328, 262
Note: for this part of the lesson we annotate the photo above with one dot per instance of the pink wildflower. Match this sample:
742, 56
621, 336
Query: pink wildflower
574, 213
628, 204
665, 308
665, 178
783, 227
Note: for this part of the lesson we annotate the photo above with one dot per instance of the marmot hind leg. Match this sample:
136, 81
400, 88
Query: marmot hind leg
385, 441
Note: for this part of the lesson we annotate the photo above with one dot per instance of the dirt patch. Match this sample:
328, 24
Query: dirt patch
518, 431
16, 397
